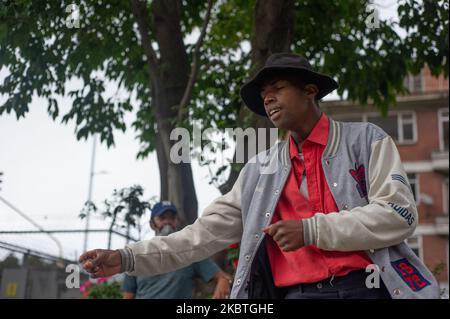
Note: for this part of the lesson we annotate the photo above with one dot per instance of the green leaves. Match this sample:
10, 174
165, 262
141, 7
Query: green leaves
124, 208
42, 54
428, 38
106, 290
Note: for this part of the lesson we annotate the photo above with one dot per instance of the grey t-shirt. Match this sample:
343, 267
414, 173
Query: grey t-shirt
173, 285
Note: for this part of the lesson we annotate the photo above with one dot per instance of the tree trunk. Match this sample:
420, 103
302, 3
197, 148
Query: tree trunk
273, 28
168, 78
173, 68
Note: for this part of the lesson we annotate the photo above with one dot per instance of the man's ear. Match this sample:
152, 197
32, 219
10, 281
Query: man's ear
311, 90
152, 225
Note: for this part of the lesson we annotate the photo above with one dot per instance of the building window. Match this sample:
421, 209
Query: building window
407, 127
443, 129
389, 124
401, 126
415, 243
414, 83
414, 182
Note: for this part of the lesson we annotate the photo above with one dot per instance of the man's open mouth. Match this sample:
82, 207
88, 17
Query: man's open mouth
274, 110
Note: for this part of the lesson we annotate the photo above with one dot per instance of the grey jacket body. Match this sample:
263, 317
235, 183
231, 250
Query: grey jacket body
377, 212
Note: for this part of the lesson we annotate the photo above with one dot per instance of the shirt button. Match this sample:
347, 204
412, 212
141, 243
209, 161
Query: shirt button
334, 184
319, 285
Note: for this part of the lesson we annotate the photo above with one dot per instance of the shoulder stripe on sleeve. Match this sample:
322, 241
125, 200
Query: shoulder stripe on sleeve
400, 178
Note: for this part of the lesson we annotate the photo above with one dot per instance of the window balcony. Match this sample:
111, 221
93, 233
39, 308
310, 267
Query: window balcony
439, 161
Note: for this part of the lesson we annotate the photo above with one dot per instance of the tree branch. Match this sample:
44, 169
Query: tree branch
195, 63
141, 15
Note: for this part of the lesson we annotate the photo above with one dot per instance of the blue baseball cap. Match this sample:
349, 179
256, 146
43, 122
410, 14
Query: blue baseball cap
162, 207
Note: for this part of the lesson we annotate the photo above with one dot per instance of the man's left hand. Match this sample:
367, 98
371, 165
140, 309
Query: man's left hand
288, 234
223, 284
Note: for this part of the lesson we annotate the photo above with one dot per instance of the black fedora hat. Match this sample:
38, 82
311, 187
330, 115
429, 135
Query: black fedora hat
280, 63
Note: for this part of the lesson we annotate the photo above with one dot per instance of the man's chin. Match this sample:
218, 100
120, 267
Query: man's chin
280, 125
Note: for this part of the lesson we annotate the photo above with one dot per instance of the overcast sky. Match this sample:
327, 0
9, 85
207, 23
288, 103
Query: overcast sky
46, 175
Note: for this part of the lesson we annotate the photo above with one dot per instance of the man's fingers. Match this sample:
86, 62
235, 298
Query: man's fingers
278, 236
88, 255
95, 275
285, 247
90, 267
271, 229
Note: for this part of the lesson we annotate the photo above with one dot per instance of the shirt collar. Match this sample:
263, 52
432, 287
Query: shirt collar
318, 135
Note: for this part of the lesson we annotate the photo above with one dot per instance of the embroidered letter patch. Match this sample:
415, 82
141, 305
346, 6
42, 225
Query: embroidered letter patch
402, 211
360, 177
410, 275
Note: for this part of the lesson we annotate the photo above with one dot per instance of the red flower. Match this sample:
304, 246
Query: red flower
102, 280
233, 246
84, 288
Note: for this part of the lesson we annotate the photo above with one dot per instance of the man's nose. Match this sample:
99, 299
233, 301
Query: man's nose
269, 98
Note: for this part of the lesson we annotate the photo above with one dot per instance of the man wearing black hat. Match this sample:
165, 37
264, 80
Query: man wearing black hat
337, 206
177, 284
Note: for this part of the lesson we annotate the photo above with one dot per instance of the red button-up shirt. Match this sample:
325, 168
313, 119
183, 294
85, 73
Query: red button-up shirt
308, 264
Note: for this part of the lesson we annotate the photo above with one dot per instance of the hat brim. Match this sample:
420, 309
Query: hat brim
251, 91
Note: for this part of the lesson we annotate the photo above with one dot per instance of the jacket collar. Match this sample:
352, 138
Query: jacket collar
334, 140
319, 135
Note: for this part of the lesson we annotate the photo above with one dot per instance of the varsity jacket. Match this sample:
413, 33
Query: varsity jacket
377, 212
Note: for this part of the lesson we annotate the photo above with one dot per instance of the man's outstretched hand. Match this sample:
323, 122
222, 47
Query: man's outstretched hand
101, 262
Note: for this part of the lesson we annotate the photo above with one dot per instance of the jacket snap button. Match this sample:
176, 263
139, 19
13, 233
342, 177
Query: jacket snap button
372, 250
319, 285
345, 206
256, 236
334, 184
247, 257
238, 282
276, 192
396, 291
327, 162
267, 215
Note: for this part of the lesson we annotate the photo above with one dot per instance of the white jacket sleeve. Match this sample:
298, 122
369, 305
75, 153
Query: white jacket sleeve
389, 218
218, 227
